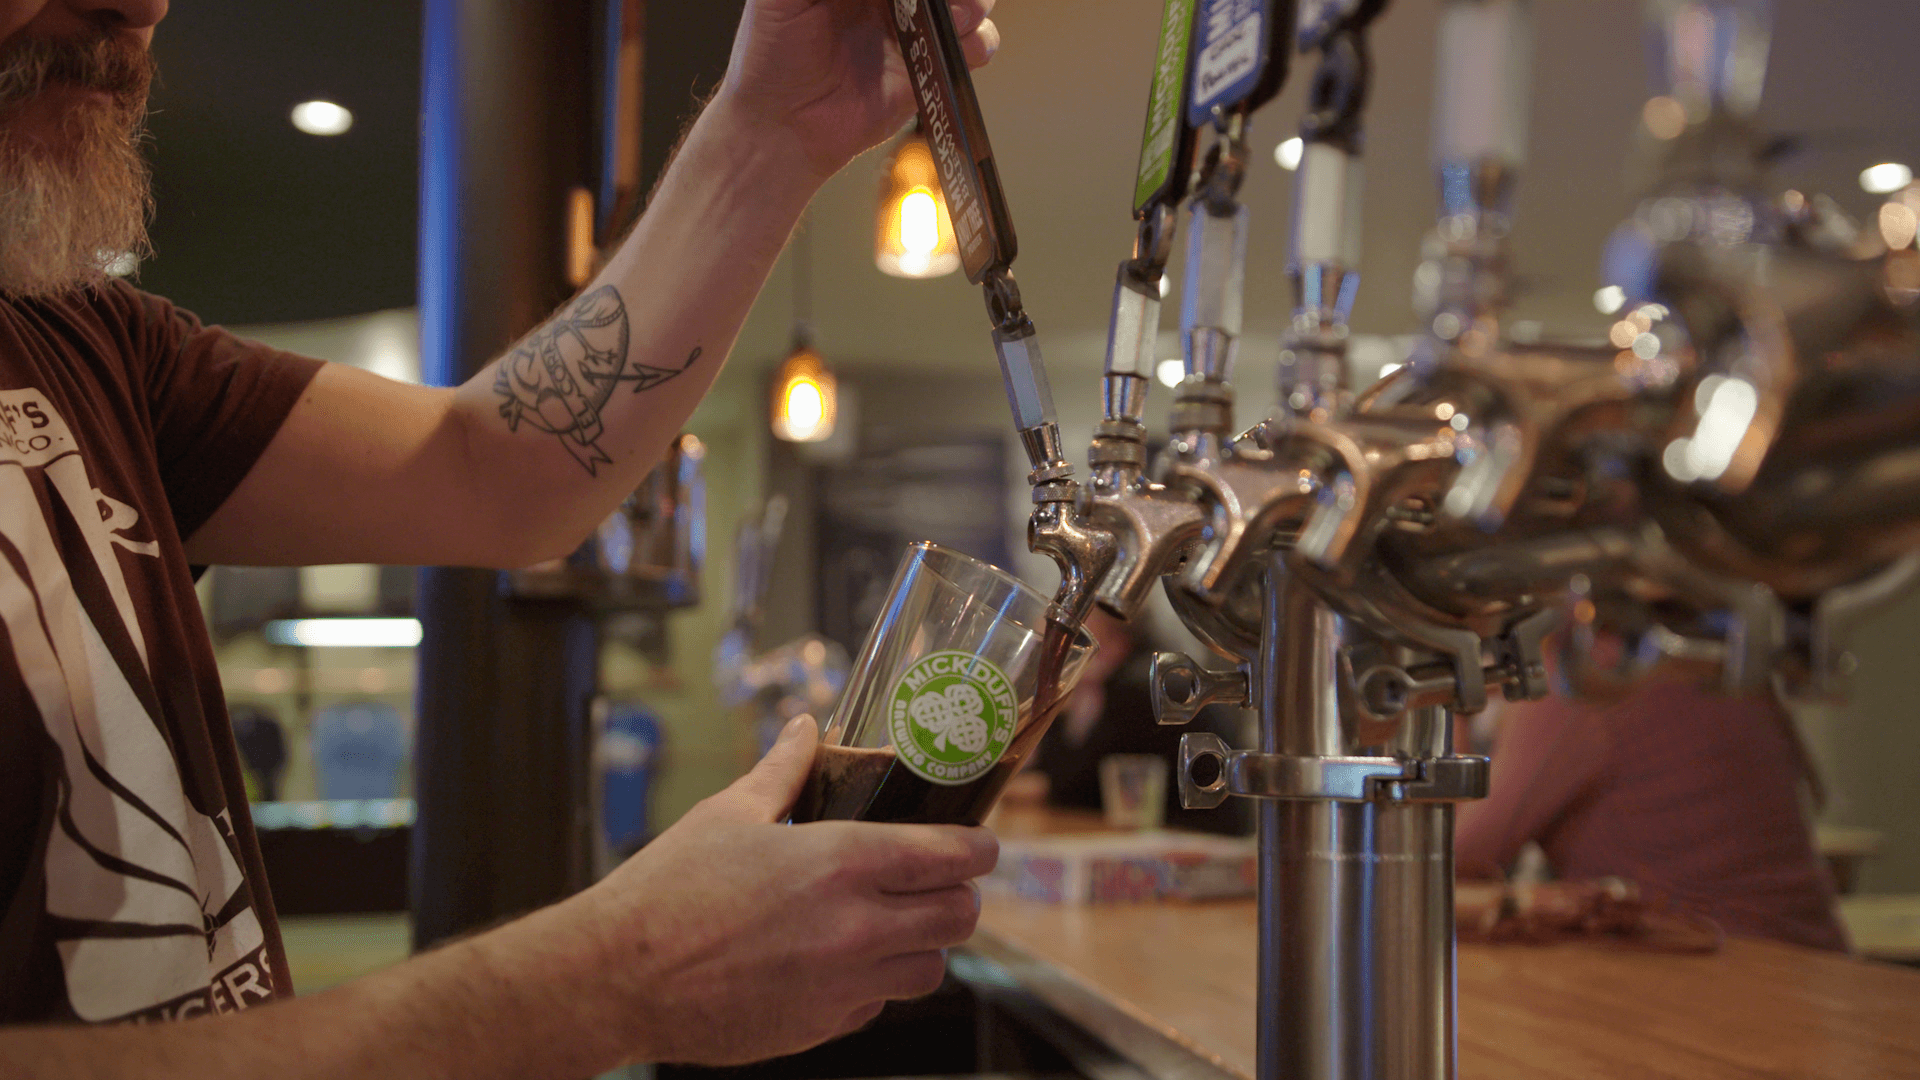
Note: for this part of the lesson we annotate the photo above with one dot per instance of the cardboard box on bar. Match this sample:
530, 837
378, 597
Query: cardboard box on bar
1111, 867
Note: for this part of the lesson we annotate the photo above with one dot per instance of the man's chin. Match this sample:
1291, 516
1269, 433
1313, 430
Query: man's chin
61, 123
69, 208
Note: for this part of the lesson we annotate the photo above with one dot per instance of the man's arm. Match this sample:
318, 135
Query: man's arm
728, 939
508, 469
1547, 755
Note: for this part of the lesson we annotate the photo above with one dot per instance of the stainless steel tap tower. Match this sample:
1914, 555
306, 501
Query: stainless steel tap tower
1731, 477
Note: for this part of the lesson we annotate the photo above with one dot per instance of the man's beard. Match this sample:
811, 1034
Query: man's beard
70, 209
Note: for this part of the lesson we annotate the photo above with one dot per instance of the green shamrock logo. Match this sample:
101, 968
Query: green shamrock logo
951, 716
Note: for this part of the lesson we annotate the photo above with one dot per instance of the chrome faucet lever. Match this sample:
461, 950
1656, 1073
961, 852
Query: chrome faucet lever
1144, 527
1481, 95
1181, 688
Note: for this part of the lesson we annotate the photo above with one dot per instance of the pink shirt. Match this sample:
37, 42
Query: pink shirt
1691, 795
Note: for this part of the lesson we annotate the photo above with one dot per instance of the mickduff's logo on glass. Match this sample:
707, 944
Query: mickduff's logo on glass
903, 13
951, 716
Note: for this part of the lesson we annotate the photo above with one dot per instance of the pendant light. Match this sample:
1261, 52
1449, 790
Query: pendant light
805, 393
913, 237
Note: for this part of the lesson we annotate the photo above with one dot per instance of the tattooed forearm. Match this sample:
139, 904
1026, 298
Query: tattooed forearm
560, 379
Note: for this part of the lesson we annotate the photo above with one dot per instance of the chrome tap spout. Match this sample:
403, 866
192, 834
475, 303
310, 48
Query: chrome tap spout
1153, 527
1085, 553
1150, 526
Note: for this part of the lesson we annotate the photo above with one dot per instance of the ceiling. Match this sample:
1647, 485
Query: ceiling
260, 223
256, 221
1064, 101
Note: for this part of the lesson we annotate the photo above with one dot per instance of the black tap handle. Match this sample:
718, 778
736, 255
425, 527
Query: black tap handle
950, 116
1337, 97
1241, 49
1322, 19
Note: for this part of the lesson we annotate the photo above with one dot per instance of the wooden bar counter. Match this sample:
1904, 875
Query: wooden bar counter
1170, 987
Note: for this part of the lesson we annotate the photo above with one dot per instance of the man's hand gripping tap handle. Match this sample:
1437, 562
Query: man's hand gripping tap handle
983, 228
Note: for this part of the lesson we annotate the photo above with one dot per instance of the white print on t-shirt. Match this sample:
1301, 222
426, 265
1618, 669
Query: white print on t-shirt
128, 850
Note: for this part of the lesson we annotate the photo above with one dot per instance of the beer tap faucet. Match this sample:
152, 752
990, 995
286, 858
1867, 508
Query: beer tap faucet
1245, 490
1326, 223
983, 229
1479, 145
1166, 165
1291, 473
1242, 53
1058, 527
1150, 524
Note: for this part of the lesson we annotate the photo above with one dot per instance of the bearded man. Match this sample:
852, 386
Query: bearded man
136, 443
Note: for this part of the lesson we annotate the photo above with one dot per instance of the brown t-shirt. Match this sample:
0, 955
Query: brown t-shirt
130, 879
1692, 795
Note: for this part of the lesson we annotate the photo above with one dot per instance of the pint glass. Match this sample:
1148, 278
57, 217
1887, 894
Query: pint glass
956, 683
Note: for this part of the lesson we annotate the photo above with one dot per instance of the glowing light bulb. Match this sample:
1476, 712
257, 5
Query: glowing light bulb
1288, 153
919, 223
1170, 372
913, 238
322, 118
1609, 299
805, 410
1886, 177
804, 399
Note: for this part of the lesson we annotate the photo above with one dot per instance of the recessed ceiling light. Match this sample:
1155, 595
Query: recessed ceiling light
1170, 372
321, 118
1288, 153
1886, 177
1609, 300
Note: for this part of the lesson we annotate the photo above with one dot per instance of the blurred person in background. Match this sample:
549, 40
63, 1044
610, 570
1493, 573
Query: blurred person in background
136, 443
1694, 796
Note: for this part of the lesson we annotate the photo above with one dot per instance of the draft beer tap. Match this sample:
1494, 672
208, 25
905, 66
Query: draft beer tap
1151, 526
1325, 267
1354, 678
983, 229
1773, 465
1282, 477
1218, 62
1734, 477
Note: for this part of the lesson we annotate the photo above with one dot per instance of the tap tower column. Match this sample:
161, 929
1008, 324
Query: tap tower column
1356, 879
1356, 977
